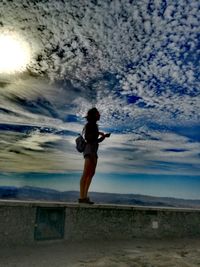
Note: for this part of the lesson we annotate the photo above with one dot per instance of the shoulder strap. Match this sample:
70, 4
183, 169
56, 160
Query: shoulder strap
83, 131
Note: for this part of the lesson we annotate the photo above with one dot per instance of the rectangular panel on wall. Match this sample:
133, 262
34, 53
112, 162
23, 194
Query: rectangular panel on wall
49, 223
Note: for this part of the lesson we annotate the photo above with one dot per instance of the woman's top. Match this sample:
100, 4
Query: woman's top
91, 137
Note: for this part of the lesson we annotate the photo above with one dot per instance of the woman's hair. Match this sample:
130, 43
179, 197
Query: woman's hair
91, 115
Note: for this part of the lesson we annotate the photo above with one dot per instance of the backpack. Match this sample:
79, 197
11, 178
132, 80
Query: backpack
80, 142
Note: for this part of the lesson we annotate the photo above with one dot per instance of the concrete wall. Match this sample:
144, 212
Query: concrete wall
114, 222
107, 222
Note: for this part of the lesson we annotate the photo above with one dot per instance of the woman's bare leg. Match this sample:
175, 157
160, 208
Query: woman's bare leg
88, 166
91, 174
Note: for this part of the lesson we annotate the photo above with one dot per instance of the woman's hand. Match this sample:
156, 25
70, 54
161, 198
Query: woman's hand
107, 135
101, 133
104, 135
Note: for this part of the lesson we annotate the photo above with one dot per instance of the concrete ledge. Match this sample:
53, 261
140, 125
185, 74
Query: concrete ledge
31, 203
18, 221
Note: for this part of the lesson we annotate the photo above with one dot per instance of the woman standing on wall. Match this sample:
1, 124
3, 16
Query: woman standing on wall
90, 153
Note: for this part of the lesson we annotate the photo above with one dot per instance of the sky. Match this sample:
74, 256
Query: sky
136, 61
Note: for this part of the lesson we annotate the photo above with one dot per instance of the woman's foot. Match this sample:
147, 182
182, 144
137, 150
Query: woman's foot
89, 201
85, 200
82, 200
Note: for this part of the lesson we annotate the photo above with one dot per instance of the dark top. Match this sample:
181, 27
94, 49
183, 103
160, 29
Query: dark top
92, 133
91, 137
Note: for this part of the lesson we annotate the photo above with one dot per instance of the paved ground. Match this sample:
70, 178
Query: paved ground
135, 253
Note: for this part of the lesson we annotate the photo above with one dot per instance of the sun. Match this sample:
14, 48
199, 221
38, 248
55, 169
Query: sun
14, 54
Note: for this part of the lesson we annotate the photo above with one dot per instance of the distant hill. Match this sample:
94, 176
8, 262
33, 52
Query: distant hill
35, 193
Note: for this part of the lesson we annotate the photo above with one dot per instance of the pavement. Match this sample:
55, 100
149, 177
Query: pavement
116, 253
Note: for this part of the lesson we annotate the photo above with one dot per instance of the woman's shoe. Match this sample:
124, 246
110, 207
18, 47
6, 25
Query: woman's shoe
85, 200
89, 201
82, 200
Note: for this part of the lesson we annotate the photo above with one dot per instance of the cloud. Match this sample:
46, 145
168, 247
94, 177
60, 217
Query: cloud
139, 154
37, 152
137, 62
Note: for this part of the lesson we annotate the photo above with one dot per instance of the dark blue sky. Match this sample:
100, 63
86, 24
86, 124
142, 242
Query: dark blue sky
136, 61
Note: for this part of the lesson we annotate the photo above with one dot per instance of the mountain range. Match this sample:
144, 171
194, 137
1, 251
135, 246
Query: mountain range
45, 194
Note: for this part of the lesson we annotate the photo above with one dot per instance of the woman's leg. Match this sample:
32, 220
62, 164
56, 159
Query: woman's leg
93, 165
88, 167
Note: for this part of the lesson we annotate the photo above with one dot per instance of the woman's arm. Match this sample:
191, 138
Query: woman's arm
103, 136
92, 133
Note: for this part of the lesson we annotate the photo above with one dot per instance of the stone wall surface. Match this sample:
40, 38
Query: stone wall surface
112, 223
18, 222
16, 225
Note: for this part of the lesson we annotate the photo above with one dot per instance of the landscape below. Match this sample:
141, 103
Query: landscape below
45, 194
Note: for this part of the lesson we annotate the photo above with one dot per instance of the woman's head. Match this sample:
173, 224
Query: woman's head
93, 115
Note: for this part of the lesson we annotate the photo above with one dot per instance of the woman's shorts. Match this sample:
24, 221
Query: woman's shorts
91, 150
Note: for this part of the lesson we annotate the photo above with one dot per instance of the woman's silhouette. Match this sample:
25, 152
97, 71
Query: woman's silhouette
90, 153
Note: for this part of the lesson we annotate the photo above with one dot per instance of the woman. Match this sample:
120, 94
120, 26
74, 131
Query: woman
90, 153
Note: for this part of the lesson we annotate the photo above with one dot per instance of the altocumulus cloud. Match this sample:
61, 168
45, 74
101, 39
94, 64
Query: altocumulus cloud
137, 61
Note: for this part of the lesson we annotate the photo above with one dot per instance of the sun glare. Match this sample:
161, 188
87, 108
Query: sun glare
14, 54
